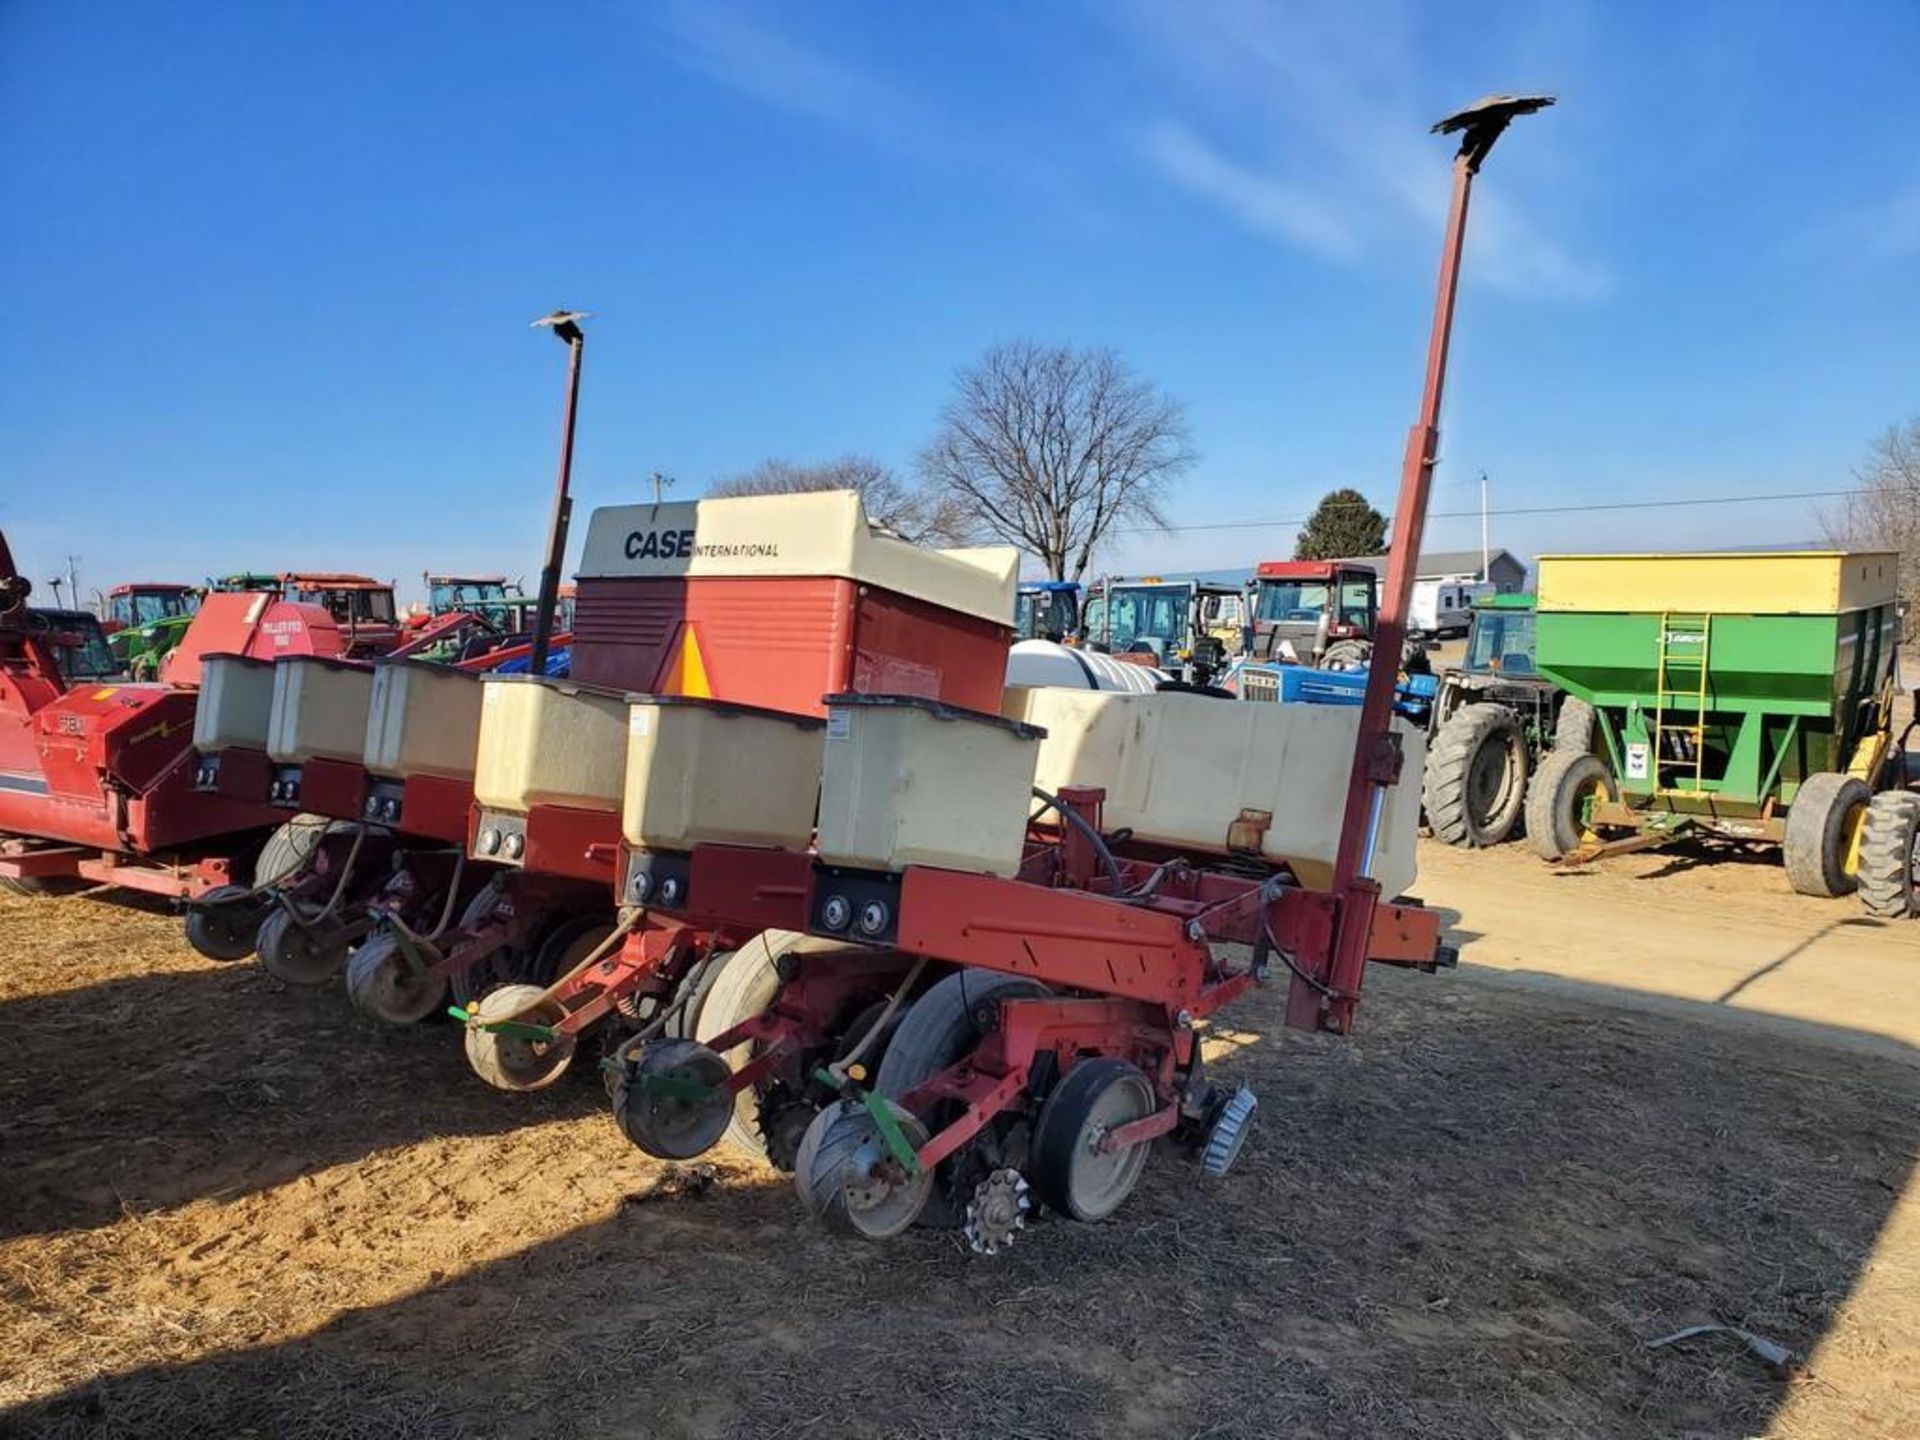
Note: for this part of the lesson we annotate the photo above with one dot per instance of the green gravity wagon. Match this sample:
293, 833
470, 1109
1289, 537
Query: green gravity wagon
1745, 696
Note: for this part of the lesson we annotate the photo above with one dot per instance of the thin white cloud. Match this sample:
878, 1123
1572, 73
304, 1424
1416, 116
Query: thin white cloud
1332, 97
1287, 212
728, 45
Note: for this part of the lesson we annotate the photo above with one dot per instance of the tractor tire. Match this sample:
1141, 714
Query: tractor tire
1476, 776
1573, 726
1890, 855
1347, 655
1823, 834
290, 847
1564, 781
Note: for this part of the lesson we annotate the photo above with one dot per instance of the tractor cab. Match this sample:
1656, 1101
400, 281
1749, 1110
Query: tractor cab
491, 597
1317, 612
78, 642
1171, 621
1501, 638
361, 606
130, 606
1047, 610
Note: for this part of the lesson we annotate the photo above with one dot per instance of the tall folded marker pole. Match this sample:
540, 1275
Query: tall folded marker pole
565, 325
1377, 759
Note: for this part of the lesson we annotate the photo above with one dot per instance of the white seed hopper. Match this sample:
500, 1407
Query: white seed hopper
909, 781
708, 772
549, 742
424, 719
319, 710
235, 705
1186, 770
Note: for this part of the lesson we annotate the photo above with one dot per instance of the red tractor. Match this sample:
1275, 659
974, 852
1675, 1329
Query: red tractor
1314, 612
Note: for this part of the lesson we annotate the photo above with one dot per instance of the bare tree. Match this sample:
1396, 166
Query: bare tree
1049, 448
913, 512
1884, 513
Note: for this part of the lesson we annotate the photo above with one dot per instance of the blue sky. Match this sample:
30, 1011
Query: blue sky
277, 260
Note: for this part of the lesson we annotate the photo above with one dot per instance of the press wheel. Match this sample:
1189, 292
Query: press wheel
1068, 1168
517, 1062
656, 1104
301, 954
385, 984
851, 1182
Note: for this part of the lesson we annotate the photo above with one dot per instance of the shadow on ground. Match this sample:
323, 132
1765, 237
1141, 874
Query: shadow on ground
1465, 1221
162, 1088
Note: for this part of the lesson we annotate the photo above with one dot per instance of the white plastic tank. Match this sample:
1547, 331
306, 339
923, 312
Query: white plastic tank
1212, 775
235, 705
319, 710
909, 781
424, 719
549, 742
709, 772
1042, 662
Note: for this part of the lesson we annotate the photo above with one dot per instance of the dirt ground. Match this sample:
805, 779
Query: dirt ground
230, 1210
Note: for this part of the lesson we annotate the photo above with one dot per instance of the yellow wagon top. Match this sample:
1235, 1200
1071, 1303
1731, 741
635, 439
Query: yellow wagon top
1751, 582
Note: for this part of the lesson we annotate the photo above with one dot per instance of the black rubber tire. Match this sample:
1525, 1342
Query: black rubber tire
1060, 1133
1573, 726
385, 988
1553, 827
228, 927
1890, 855
939, 1028
289, 848
822, 1168
300, 956
664, 1127
568, 943
1347, 655
1475, 739
1820, 831
11, 886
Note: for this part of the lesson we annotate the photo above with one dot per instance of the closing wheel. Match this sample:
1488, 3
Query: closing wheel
1476, 776
517, 1061
384, 983
668, 1100
224, 923
1069, 1169
298, 954
851, 1181
1560, 802
940, 1027
1824, 834
1889, 869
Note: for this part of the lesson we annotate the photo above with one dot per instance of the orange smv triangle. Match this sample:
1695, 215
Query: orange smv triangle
687, 675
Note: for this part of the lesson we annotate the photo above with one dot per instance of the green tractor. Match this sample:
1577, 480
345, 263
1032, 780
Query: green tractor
1494, 719
144, 622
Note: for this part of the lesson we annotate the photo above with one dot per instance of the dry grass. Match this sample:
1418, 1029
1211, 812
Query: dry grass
231, 1210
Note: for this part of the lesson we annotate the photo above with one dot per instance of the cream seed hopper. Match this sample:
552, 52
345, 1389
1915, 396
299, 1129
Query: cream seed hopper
1191, 773
422, 737
768, 601
317, 734
230, 725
